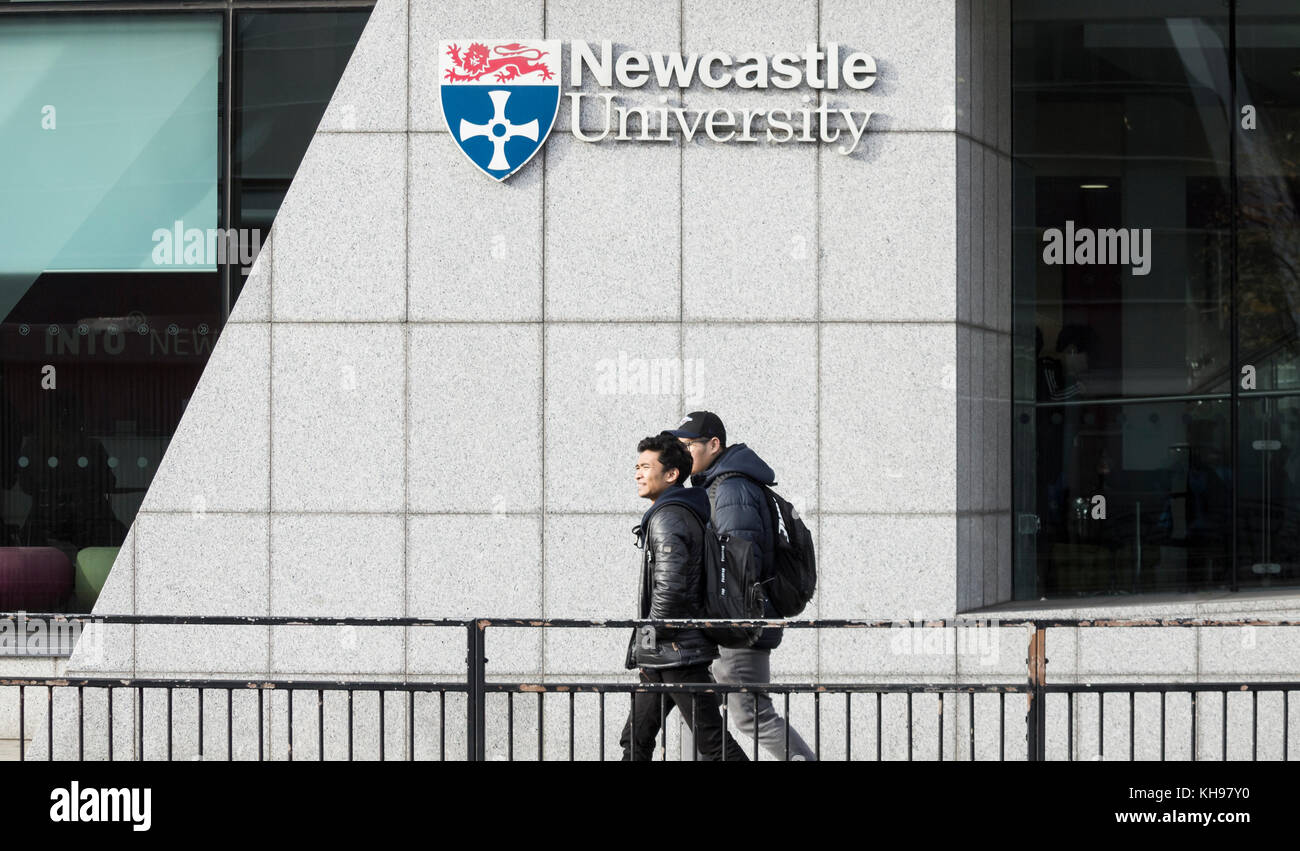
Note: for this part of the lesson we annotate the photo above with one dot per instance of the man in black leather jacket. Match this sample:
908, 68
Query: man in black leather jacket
733, 476
671, 537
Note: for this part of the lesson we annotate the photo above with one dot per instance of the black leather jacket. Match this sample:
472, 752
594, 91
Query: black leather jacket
671, 537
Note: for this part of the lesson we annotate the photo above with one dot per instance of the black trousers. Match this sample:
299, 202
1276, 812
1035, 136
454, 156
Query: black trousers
702, 713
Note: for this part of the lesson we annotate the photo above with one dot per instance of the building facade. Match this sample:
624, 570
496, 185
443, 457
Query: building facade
425, 397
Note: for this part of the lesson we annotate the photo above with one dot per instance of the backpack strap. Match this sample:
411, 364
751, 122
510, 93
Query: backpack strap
774, 514
641, 581
713, 486
713, 489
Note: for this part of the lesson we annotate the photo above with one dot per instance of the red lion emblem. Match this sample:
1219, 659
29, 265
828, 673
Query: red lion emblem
512, 60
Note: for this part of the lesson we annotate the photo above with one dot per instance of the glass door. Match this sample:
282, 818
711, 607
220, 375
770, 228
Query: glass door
1267, 137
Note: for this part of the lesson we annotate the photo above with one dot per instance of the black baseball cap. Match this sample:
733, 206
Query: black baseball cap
701, 424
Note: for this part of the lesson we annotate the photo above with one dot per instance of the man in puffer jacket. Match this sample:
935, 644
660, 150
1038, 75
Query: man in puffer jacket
671, 537
732, 477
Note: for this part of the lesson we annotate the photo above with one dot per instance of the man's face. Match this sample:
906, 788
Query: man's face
651, 477
704, 451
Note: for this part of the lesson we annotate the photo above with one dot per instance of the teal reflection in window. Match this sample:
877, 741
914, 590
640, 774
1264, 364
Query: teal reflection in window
110, 137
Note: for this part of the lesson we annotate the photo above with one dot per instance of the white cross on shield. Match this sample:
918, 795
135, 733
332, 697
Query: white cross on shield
499, 130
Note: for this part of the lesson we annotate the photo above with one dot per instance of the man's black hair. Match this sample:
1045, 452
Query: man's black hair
672, 454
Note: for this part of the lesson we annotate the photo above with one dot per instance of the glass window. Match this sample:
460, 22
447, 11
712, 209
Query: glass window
1268, 292
1152, 264
110, 310
113, 258
287, 65
114, 123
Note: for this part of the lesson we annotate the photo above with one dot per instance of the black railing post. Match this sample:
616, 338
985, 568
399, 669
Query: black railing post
476, 711
1035, 716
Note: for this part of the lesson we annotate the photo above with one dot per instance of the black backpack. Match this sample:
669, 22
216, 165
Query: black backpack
733, 590
794, 563
794, 573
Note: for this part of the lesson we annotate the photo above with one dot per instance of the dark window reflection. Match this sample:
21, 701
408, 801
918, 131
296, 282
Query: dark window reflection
126, 342
1268, 293
1123, 120
1165, 474
287, 65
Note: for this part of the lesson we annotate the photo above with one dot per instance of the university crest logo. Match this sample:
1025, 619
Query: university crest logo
499, 99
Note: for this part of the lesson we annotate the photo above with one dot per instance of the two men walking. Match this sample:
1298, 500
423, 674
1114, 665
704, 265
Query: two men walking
727, 488
671, 538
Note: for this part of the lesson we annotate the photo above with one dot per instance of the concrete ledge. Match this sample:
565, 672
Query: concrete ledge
1281, 603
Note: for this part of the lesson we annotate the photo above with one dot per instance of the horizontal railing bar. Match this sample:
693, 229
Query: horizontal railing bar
521, 687
268, 685
743, 688
1060, 623
578, 623
746, 688
1261, 685
949, 623
232, 620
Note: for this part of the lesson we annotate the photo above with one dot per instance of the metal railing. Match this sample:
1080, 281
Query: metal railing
951, 709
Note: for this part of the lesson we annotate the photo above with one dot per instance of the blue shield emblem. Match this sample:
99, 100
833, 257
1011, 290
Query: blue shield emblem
499, 99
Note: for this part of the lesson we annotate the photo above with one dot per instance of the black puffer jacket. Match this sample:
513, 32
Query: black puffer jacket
740, 508
671, 537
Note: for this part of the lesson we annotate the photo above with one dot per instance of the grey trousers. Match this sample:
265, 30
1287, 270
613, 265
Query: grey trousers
747, 665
